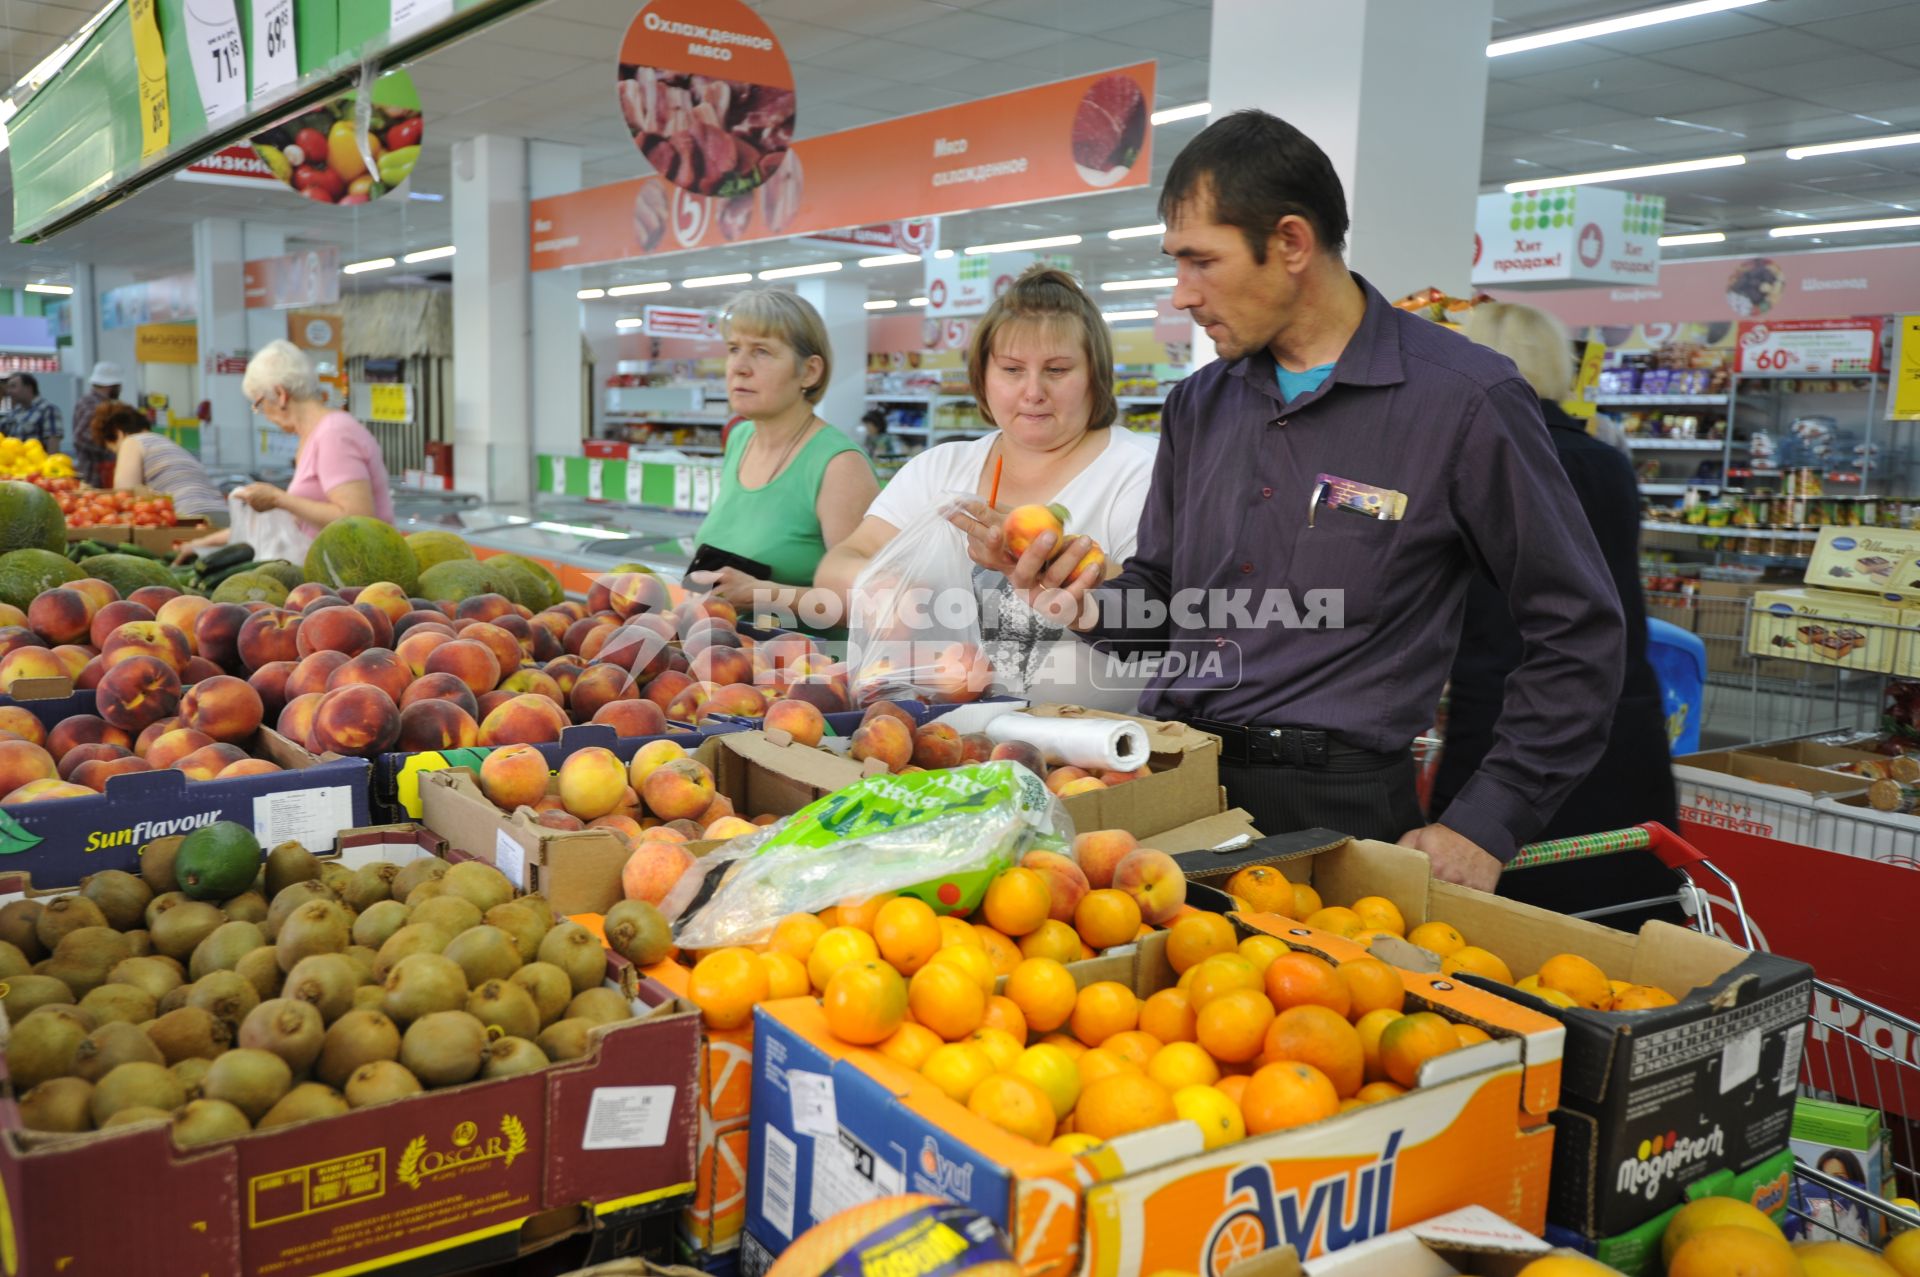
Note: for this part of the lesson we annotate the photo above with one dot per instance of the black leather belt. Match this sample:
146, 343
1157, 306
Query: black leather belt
1269, 746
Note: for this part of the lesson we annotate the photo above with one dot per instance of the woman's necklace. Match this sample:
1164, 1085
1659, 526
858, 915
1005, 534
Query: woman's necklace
791, 448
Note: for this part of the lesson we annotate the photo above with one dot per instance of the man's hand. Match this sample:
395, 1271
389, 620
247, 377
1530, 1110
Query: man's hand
1454, 859
1044, 579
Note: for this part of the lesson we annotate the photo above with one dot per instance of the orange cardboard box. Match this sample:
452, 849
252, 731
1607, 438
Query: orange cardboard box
719, 1209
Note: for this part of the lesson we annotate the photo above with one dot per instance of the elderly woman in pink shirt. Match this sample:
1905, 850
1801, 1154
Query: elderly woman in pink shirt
338, 469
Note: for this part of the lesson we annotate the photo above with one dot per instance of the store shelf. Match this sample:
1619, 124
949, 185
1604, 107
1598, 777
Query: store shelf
1695, 530
1637, 401
1124, 400
670, 418
1677, 489
1809, 376
920, 399
1677, 445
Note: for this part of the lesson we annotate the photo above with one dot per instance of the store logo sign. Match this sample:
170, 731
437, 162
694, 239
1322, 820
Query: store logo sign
1324, 1216
1593, 245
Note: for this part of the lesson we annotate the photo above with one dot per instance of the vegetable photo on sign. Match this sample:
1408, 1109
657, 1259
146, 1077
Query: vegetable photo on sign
321, 153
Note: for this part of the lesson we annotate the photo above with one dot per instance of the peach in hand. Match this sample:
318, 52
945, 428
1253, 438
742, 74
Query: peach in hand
1024, 524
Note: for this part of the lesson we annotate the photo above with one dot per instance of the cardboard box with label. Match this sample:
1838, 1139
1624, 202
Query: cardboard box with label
1636, 1252
1832, 629
1842, 1140
1719, 617
1767, 796
1884, 562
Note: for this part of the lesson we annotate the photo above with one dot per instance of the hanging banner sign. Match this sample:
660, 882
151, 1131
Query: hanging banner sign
219, 58
1071, 137
276, 62
158, 301
679, 321
1580, 235
913, 235
156, 125
311, 278
967, 285
237, 165
1809, 347
318, 154
166, 344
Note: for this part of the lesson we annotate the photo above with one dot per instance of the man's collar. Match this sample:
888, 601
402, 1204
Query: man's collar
1372, 356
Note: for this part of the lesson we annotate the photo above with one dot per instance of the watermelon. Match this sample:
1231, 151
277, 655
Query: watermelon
280, 570
251, 587
30, 519
460, 579
126, 572
433, 546
534, 587
358, 550
26, 574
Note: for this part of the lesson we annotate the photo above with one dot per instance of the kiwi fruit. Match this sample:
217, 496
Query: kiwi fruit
261, 969
303, 1103
63, 1104
179, 931
415, 937
122, 897
525, 926
336, 876
81, 978
225, 995
509, 1056
156, 864
480, 883
192, 1074
190, 1032
208, 1122
362, 960
153, 976
602, 1006
19, 927
140, 942
284, 904
432, 889
161, 903
249, 1079
566, 1039
414, 872
224, 947
136, 1115
484, 953
319, 926
111, 1045
327, 980
377, 923
369, 997
540, 905
141, 1084
444, 1048
25, 993
356, 1038
452, 914
549, 988
289, 1028
288, 864
423, 984
119, 1003
64, 914
638, 932
378, 1081
505, 1006
369, 886
43, 1046
576, 951
95, 946
248, 906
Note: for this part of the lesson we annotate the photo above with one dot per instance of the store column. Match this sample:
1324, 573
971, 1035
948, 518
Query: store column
492, 408
559, 396
219, 261
842, 303
1395, 92
82, 314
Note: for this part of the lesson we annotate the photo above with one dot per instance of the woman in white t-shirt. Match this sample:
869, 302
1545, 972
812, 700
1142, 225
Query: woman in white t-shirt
1041, 370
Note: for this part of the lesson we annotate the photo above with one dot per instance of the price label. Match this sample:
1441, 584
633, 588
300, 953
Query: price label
683, 487
636, 474
1810, 347
596, 479
156, 121
276, 63
702, 488
411, 14
219, 58
390, 403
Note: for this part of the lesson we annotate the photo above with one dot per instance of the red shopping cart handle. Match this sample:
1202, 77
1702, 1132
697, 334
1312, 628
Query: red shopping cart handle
1673, 850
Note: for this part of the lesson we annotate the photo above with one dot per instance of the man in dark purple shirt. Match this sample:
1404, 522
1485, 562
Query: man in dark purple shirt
1344, 509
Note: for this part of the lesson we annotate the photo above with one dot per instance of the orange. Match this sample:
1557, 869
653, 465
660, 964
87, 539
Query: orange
1223, 973
974, 962
864, 1002
1217, 1116
1473, 960
1096, 1064
859, 914
1234, 1086
795, 934
1374, 1092
1004, 1014
1073, 1143
1196, 937
1118, 1105
1066, 1042
1134, 1045
1369, 1027
1014, 1104
1001, 1047
907, 933
1411, 1041
1314, 1035
910, 1045
1102, 1010
1578, 978
1380, 914
1641, 997
947, 1000
1305, 900
1365, 937
1179, 1064
1264, 888
1053, 1071
1372, 985
1262, 950
1471, 1034
1168, 1016
1001, 951
1716, 1252
786, 975
726, 984
1017, 902
1841, 1259
958, 931
1044, 992
1335, 918
829, 917
1233, 1026
1712, 1212
1903, 1252
1566, 1266
1282, 1096
1301, 979
1437, 938
957, 1068
1052, 939
838, 947
1106, 917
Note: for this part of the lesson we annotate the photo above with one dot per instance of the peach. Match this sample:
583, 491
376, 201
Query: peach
444, 687
688, 829
432, 723
600, 685
335, 629
418, 617
92, 586
18, 721
649, 757
306, 592
798, 719
936, 746
552, 620
379, 666
686, 706
544, 646
728, 827
248, 767
678, 789
1060, 777
89, 677
976, 747
532, 682
653, 869
785, 650
76, 658
270, 680
483, 607
565, 671
61, 616
575, 639
348, 593
561, 820
224, 707
766, 819
184, 613
154, 731
720, 806
216, 633
30, 662
137, 691
472, 663
1066, 882
721, 665
1018, 751
712, 608
296, 719
1155, 882
153, 596
15, 637
1025, 524
591, 782
885, 739
314, 672
210, 760
13, 618
626, 826
961, 673
112, 616
639, 651
825, 696
147, 638
740, 700
505, 648
382, 625
174, 746
272, 634
707, 633
887, 709
521, 630
386, 596
95, 773
666, 688
199, 670
523, 719
1099, 851
419, 642
358, 719
1112, 778
625, 593
515, 776
22, 761
35, 791
488, 702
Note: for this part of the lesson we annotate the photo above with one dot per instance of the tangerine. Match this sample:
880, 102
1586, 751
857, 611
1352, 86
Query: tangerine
1715, 1252
726, 984
838, 947
1374, 1092
1066, 1042
974, 962
1412, 1040
1096, 1064
1001, 950
1306, 900
1477, 961
1053, 1071
1017, 902
1641, 997
1168, 1015
1471, 1034
1338, 919
957, 1068
795, 934
958, 931
1372, 985
786, 975
1712, 1212
1052, 939
1121, 1104
1282, 1096
1302, 979
1134, 1045
1014, 1104
1234, 1086
1044, 992
1001, 1047
1106, 917
1233, 1026
907, 933
864, 1002
1073, 1143
1197, 937
1314, 1035
910, 1046
1004, 1014
1221, 974
1181, 1064
859, 914
1103, 1009
1437, 938
1369, 1027
1377, 913
1217, 1116
1262, 950
1578, 978
947, 1000
1264, 888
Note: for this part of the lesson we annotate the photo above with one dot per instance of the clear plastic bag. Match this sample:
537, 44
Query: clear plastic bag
273, 534
914, 619
940, 836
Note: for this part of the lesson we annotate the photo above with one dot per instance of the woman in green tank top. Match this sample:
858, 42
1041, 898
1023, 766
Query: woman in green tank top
791, 486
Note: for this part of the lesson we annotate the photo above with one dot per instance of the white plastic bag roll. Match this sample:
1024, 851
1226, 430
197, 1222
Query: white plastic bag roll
1097, 744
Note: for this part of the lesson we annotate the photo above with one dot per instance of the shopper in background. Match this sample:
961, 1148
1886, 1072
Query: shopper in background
31, 417
879, 441
1041, 369
103, 387
143, 459
1633, 780
791, 486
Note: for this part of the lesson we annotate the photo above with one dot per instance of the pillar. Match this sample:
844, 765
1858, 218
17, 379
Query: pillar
560, 403
1412, 173
492, 434
219, 256
83, 314
841, 301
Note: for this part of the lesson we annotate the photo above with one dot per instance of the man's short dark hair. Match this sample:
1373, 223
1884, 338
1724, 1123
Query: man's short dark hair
27, 379
1256, 168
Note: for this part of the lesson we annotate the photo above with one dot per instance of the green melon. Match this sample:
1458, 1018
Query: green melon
286, 573
432, 546
30, 519
358, 550
534, 587
460, 579
126, 572
251, 587
26, 574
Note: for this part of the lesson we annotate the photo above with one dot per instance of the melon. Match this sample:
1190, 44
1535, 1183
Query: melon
433, 546
459, 579
358, 550
126, 572
534, 587
286, 573
251, 587
26, 574
30, 519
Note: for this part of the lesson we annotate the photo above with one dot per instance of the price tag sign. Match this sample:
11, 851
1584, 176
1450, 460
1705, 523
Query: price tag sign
683, 487
219, 58
410, 14
596, 479
702, 488
275, 64
636, 473
390, 403
1810, 347
156, 120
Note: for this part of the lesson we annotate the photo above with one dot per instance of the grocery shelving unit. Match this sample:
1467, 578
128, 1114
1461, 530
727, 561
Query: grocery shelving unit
1776, 398
1680, 450
641, 414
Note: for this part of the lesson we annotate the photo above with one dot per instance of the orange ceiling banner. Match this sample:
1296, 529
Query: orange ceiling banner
1071, 137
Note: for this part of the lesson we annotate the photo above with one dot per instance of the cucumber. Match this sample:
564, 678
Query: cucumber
212, 580
227, 555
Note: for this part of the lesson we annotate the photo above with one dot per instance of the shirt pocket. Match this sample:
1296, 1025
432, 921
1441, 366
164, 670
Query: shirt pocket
1348, 553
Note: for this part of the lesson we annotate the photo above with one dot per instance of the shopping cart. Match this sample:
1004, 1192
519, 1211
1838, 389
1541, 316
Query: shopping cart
1673, 851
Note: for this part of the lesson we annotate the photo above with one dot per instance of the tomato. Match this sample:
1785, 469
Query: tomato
303, 176
318, 194
312, 143
405, 133
331, 182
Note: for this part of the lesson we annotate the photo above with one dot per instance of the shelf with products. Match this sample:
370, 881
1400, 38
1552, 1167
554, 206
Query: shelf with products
1675, 488
1653, 444
1659, 401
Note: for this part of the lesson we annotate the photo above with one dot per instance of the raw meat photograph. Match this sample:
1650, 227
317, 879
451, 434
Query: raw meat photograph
1109, 129
713, 137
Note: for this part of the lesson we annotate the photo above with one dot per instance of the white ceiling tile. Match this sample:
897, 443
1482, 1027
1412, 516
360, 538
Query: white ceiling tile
1680, 35
1084, 17
1880, 29
1823, 73
1774, 48
1567, 115
1799, 12
984, 79
893, 60
1509, 97
1687, 97
1081, 56
1180, 35
861, 17
980, 36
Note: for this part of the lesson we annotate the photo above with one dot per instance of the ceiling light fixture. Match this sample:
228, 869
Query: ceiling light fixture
591, 294
1699, 237
1138, 232
1613, 26
1841, 228
1186, 112
716, 281
630, 290
891, 259
428, 254
1625, 174
811, 268
375, 263
628, 323
1021, 245
1858, 144
887, 304
1128, 285
942, 254
52, 290
1120, 316
916, 301
429, 197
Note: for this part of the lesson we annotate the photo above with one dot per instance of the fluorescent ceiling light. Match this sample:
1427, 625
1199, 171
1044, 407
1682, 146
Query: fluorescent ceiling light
890, 259
1612, 26
1018, 245
1117, 316
628, 323
1858, 144
428, 254
1841, 228
376, 263
1186, 112
55, 290
881, 305
428, 196
715, 281
1138, 232
1626, 174
1127, 285
916, 301
1701, 237
811, 268
629, 290
591, 294
942, 254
